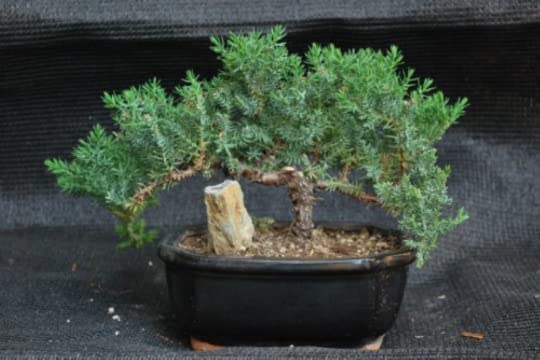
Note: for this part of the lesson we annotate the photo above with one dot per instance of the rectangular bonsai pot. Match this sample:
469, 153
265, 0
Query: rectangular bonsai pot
235, 300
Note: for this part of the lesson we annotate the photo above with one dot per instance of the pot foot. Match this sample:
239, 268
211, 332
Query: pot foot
372, 344
200, 345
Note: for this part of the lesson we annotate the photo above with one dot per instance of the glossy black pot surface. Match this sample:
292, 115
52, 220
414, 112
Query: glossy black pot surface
236, 300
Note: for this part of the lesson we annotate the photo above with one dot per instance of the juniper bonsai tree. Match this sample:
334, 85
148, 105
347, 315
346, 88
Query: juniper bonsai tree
353, 122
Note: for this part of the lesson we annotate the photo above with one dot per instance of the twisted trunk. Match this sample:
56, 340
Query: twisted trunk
301, 193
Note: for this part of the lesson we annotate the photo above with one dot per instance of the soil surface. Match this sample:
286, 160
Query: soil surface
280, 242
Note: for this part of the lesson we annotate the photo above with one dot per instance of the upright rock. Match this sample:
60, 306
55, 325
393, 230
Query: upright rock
230, 227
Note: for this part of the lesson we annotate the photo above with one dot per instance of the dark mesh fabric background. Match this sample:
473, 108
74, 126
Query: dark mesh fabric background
56, 58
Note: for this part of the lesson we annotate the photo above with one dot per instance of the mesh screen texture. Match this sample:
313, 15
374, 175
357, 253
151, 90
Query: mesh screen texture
57, 58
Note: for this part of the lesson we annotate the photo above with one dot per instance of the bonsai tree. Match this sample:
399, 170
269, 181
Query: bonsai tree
353, 122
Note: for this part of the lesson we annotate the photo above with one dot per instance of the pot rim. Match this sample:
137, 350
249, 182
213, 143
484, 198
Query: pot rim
174, 255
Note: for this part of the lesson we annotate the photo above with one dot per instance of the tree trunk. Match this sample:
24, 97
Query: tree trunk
301, 193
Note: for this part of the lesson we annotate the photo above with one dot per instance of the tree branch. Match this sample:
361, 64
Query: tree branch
366, 197
286, 175
174, 176
274, 178
363, 196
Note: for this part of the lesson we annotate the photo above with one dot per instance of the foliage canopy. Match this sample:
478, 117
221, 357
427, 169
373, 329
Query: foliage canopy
348, 120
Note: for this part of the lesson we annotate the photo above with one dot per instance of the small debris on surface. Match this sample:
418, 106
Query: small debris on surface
291, 346
364, 233
150, 263
120, 292
68, 321
74, 267
473, 335
91, 299
110, 311
441, 297
116, 318
537, 296
165, 338
419, 336
116, 333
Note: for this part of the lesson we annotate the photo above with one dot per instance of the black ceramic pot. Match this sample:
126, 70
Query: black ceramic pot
235, 300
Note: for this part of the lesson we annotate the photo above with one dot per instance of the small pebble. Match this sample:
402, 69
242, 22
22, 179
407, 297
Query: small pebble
441, 297
116, 333
68, 321
150, 263
419, 336
91, 300
364, 233
110, 311
116, 317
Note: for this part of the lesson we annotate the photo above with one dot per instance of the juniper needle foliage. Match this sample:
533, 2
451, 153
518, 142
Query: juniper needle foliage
344, 121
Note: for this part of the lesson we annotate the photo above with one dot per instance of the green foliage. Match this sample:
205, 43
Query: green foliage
159, 132
354, 120
419, 202
102, 167
263, 224
156, 135
259, 105
132, 230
